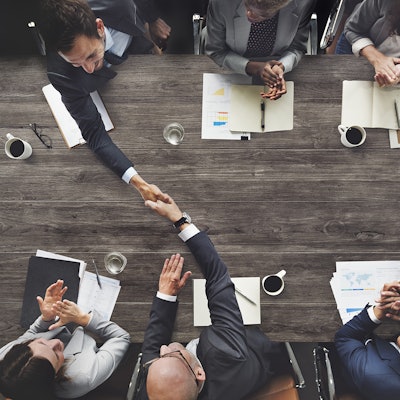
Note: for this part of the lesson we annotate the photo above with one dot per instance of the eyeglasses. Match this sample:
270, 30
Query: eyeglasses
176, 354
46, 140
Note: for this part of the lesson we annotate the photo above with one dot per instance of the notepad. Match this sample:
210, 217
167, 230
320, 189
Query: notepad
245, 113
249, 286
366, 104
68, 127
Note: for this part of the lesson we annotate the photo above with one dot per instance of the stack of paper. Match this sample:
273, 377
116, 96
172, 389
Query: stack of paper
247, 294
357, 283
91, 296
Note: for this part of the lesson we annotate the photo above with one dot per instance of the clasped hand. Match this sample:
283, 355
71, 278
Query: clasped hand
389, 301
272, 76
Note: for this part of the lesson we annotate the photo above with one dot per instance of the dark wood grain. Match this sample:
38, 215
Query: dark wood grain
296, 200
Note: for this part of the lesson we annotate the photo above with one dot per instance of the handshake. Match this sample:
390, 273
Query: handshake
388, 305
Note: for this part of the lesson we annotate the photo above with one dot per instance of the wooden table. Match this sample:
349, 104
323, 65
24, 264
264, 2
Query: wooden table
296, 200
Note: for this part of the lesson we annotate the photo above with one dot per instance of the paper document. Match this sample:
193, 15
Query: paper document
248, 299
366, 104
67, 125
357, 283
248, 113
91, 297
216, 104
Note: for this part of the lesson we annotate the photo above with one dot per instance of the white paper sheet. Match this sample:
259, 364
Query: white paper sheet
249, 286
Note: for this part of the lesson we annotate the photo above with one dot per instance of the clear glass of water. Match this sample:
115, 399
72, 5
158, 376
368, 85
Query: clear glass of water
173, 133
115, 262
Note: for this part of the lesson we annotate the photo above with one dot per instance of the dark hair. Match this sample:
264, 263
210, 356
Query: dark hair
23, 376
63, 20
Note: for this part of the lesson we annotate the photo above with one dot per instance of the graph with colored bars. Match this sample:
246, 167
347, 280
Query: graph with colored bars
218, 118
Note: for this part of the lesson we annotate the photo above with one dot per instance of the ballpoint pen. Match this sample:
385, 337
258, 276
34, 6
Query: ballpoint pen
262, 104
242, 294
97, 274
396, 108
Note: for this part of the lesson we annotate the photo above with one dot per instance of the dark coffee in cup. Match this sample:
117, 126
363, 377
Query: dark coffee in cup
17, 148
272, 283
354, 135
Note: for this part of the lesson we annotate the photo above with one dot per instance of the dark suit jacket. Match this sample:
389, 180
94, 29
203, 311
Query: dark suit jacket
236, 359
373, 367
75, 84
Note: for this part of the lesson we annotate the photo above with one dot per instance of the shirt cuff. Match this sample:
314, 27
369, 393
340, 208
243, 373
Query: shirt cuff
371, 314
129, 173
166, 297
188, 232
360, 44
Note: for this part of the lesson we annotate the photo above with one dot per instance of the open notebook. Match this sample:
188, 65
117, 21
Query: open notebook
248, 297
366, 104
246, 114
67, 125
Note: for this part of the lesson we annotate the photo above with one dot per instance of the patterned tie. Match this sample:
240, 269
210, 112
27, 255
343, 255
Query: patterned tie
262, 37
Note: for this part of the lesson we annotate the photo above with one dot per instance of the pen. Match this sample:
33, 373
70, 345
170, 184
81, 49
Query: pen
262, 104
396, 108
242, 294
97, 273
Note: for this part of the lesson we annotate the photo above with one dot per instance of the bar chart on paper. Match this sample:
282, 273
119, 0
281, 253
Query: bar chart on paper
216, 105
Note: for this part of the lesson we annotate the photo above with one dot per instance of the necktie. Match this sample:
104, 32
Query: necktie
113, 59
262, 37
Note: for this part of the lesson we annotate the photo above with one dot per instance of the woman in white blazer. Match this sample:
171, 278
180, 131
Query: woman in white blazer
48, 361
231, 23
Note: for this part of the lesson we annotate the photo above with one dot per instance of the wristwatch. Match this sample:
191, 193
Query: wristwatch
185, 219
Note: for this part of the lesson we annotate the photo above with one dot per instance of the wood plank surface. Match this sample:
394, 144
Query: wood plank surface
296, 200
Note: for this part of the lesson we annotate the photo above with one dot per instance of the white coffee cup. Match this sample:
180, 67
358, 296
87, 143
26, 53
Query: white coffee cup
173, 133
17, 148
274, 284
115, 262
352, 136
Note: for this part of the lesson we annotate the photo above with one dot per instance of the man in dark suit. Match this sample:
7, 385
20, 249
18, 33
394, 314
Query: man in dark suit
83, 39
228, 361
372, 364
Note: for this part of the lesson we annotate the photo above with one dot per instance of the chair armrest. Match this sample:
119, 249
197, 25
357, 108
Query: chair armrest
132, 383
300, 382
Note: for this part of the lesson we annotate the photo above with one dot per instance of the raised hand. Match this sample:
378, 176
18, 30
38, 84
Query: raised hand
54, 293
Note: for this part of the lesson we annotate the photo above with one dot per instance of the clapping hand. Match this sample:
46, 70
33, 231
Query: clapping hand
170, 281
68, 311
54, 293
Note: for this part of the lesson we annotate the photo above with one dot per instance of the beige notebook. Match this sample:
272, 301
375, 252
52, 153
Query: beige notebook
246, 114
67, 125
365, 104
248, 300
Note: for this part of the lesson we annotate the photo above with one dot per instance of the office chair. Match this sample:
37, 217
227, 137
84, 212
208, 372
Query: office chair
332, 25
324, 376
284, 386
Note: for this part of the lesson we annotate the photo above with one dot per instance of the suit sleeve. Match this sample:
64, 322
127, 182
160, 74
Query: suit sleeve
84, 111
296, 50
160, 328
226, 318
361, 20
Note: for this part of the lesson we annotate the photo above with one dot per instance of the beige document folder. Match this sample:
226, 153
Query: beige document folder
366, 104
245, 113
67, 125
248, 300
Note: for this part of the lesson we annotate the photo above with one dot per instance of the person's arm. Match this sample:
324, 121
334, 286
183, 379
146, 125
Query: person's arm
216, 47
225, 314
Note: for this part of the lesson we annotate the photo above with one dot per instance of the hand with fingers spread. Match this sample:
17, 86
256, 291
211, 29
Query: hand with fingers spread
54, 293
68, 311
171, 282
